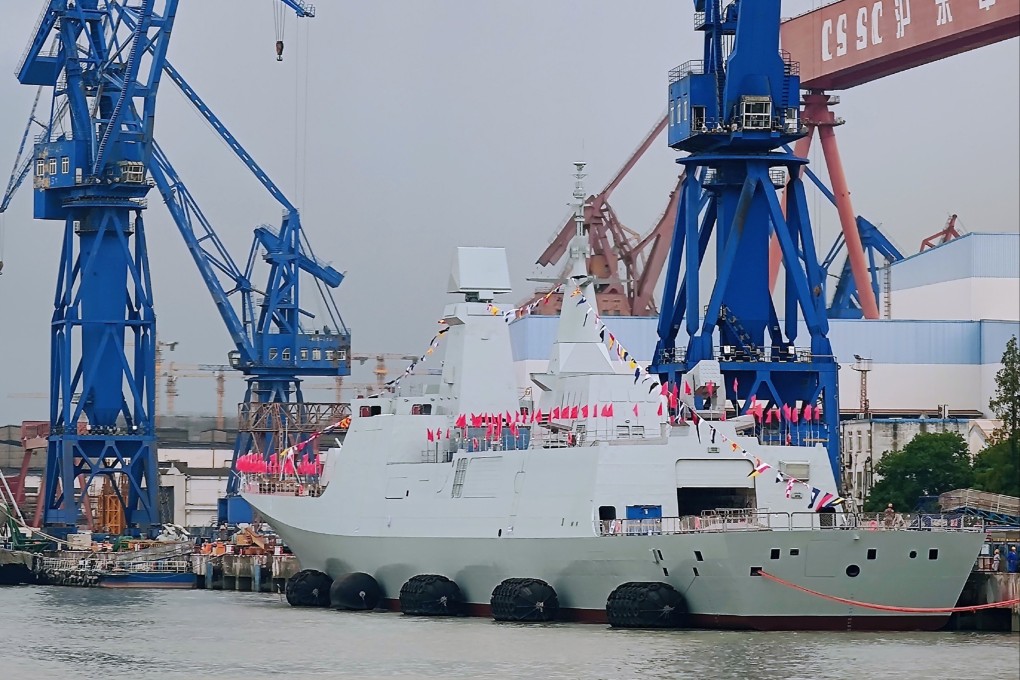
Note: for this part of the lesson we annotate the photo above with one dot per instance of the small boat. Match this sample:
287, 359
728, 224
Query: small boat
156, 574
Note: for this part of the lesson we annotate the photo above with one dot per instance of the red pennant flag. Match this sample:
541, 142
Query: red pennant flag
538, 416
447, 433
687, 388
673, 400
555, 415
735, 389
818, 413
429, 434
786, 411
609, 411
584, 411
461, 421
659, 412
574, 412
711, 389
768, 416
635, 410
723, 416
665, 389
807, 412
509, 417
794, 413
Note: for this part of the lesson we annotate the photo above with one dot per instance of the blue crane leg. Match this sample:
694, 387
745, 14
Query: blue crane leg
732, 114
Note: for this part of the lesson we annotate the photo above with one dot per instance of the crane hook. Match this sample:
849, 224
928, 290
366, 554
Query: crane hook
279, 50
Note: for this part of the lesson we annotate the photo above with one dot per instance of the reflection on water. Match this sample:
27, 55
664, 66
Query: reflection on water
50, 633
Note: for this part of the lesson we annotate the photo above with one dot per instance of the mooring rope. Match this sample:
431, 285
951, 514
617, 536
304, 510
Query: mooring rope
892, 608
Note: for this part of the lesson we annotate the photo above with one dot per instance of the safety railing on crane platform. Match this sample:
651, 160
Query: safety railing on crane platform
786, 354
268, 484
692, 67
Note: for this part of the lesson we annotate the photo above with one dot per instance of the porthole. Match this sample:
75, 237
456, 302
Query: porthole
853, 571
913, 554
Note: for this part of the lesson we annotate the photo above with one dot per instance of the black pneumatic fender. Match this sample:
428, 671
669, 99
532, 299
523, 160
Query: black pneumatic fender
357, 591
524, 600
646, 605
431, 595
309, 588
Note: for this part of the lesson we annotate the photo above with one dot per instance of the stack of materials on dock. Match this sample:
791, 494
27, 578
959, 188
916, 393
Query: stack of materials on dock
249, 560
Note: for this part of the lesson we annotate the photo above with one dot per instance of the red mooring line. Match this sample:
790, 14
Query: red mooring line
891, 608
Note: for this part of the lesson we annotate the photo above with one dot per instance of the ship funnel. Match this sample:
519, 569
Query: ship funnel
479, 273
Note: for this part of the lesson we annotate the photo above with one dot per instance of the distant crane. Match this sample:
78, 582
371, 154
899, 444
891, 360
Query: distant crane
626, 264
947, 234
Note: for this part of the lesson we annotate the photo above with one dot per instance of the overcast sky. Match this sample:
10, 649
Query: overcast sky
426, 125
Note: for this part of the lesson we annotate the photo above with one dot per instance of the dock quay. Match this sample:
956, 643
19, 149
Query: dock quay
247, 573
984, 587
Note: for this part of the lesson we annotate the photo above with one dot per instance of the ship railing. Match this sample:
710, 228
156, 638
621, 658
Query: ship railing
739, 520
880, 521
157, 566
709, 522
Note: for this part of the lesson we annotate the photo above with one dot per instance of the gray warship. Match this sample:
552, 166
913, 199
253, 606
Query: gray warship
612, 508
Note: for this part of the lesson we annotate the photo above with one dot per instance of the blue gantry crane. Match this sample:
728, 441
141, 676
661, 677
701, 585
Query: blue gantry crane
95, 162
732, 112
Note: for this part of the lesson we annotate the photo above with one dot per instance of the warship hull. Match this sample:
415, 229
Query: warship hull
712, 570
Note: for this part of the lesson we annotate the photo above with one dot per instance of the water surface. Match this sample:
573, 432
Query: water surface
59, 633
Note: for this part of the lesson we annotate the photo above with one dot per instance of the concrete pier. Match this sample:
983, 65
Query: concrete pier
246, 573
984, 587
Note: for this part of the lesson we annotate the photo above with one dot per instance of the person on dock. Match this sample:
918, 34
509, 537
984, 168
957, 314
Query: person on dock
996, 560
1012, 560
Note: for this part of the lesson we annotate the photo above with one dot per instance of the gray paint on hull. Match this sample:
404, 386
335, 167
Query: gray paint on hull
585, 570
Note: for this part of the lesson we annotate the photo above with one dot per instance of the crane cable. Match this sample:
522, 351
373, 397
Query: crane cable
279, 24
